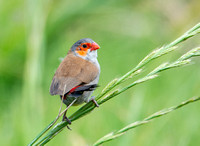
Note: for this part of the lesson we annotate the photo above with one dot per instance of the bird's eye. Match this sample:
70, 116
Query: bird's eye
84, 46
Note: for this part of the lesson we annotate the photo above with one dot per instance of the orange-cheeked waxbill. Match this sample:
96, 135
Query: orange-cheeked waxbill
78, 74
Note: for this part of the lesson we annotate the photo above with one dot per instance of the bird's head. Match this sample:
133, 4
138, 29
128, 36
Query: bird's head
85, 48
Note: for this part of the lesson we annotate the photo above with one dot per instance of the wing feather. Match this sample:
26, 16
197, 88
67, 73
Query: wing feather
72, 72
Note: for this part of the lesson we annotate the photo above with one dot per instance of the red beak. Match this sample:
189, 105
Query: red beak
94, 46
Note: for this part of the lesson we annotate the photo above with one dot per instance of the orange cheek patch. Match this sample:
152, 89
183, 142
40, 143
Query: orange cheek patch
82, 53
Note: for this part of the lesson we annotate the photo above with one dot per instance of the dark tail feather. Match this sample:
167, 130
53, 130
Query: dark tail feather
86, 88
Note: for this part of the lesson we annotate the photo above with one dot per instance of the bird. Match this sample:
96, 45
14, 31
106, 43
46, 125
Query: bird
77, 75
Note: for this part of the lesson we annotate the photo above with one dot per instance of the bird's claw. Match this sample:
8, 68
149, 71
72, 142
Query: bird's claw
66, 119
94, 101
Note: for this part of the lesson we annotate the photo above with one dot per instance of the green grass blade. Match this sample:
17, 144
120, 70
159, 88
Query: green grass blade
114, 135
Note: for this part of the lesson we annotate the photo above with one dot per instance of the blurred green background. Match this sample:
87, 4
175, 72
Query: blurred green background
35, 34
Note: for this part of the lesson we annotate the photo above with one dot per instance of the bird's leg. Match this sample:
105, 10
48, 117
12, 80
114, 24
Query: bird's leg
94, 101
64, 115
65, 112
68, 120
65, 118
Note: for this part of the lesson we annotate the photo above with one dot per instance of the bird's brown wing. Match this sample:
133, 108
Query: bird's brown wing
72, 72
